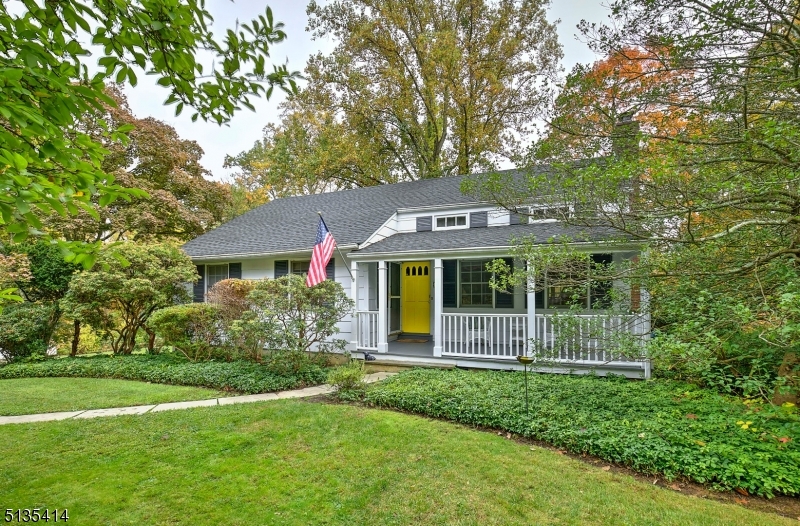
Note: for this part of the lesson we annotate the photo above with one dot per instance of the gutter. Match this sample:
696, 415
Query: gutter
262, 254
469, 250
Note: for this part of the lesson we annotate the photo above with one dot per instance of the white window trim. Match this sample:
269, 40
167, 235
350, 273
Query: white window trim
457, 227
527, 219
227, 274
292, 261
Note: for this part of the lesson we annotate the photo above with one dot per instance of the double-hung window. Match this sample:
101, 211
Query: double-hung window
475, 289
568, 289
215, 274
300, 267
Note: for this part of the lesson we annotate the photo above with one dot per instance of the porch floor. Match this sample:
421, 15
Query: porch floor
411, 349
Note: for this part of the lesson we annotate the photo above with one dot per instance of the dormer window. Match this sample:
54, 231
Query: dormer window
540, 214
457, 221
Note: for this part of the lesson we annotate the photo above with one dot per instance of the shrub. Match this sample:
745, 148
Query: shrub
348, 380
25, 330
129, 282
735, 336
240, 376
661, 426
230, 297
293, 362
286, 315
193, 330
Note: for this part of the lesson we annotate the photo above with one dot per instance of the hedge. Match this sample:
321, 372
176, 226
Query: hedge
241, 376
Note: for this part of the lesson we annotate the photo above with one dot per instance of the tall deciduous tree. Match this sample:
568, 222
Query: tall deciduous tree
47, 161
413, 89
308, 152
716, 196
583, 119
181, 202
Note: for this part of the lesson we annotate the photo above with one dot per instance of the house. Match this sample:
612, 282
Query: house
417, 252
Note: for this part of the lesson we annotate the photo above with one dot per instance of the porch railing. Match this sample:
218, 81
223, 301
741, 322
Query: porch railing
484, 335
578, 339
588, 338
367, 330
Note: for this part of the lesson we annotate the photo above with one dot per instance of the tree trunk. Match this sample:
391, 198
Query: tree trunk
151, 340
76, 337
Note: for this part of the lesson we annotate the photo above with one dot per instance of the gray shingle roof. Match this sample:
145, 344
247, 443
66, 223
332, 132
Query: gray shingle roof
290, 224
497, 236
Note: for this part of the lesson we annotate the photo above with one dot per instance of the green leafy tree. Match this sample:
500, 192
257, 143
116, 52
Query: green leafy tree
128, 284
413, 90
46, 281
715, 196
181, 202
308, 152
47, 162
25, 330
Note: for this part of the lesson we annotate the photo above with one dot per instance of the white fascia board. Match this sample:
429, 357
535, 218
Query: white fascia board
377, 236
268, 255
500, 250
433, 208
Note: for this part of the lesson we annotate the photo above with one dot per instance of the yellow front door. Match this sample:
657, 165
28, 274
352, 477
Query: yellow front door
415, 297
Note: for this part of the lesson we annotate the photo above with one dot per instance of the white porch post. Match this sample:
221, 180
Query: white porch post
531, 292
383, 333
354, 296
437, 307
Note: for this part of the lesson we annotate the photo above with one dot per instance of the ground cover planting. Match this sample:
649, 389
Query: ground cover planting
665, 427
237, 376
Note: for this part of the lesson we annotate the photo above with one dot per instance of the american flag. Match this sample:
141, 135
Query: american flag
323, 250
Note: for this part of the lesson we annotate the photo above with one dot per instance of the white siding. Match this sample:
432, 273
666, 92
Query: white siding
257, 268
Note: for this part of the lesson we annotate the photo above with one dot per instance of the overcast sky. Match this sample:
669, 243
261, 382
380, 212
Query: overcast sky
147, 99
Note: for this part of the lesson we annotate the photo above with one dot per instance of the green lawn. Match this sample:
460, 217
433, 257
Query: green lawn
46, 395
295, 462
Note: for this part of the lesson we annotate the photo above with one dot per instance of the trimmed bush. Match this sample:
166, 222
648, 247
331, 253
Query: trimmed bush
665, 427
194, 330
348, 380
243, 377
25, 330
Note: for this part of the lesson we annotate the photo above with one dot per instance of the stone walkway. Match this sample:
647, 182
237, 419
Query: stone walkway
142, 409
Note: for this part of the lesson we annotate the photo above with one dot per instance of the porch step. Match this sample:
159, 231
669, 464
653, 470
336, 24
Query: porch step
405, 362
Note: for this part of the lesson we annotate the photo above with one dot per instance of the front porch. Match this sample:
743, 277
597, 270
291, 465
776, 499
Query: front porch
560, 341
495, 341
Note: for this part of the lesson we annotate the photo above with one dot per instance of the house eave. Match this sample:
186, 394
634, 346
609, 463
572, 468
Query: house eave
499, 250
452, 206
301, 252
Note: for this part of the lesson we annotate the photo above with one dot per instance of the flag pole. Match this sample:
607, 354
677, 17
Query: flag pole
346, 263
